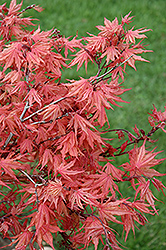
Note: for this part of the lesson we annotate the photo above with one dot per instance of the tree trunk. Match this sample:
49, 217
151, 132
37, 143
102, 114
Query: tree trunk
4, 242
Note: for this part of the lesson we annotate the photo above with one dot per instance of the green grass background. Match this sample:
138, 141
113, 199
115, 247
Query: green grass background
148, 82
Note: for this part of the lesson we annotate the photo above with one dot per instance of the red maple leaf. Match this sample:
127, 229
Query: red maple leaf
9, 164
132, 34
24, 240
110, 28
81, 196
142, 160
12, 55
63, 170
33, 96
81, 57
109, 209
111, 52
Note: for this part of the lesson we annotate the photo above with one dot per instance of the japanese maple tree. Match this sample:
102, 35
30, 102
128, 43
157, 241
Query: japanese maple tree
58, 172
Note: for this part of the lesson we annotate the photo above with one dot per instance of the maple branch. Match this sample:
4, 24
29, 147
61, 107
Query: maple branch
24, 111
67, 242
90, 54
40, 110
100, 69
29, 177
105, 232
135, 177
109, 71
11, 134
140, 138
27, 8
4, 202
153, 130
141, 217
119, 129
36, 184
50, 121
136, 139
21, 116
7, 141
125, 177
116, 66
27, 102
52, 139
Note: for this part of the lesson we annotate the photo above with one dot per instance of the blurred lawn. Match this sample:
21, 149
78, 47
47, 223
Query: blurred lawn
70, 16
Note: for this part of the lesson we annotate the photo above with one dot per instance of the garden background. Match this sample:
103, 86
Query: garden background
148, 82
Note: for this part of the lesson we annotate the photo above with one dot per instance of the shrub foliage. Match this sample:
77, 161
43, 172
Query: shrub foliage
58, 172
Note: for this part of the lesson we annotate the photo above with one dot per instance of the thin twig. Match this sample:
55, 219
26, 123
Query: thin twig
136, 139
41, 122
7, 140
24, 111
108, 72
27, 8
90, 54
11, 134
105, 232
50, 121
119, 129
52, 139
40, 110
116, 66
27, 102
36, 185
29, 177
